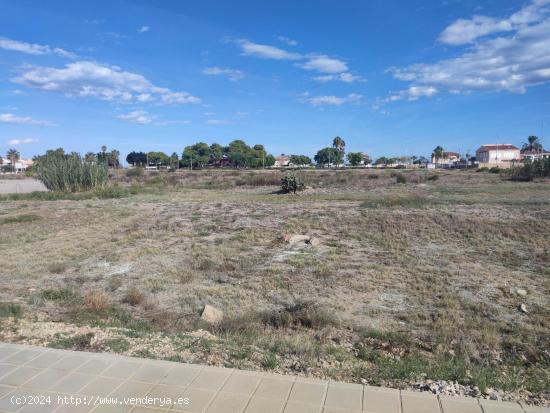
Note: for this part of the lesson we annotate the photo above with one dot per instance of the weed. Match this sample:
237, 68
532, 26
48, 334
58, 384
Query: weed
78, 342
19, 219
57, 268
10, 310
58, 294
133, 296
118, 345
269, 361
96, 301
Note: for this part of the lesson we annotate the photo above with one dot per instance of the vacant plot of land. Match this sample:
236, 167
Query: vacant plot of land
443, 276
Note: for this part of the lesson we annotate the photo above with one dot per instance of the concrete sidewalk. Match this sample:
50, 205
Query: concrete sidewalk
36, 379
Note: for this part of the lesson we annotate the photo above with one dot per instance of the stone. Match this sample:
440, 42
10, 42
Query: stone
523, 308
294, 239
521, 292
314, 242
211, 314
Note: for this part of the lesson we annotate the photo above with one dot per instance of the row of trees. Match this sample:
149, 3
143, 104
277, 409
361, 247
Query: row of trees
199, 155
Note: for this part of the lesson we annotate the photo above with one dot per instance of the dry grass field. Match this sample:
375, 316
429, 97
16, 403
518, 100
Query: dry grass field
414, 275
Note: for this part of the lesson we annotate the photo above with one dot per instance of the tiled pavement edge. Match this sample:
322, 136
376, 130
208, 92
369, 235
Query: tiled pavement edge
37, 374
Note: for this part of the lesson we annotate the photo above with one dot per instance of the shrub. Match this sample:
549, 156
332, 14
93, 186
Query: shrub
483, 169
19, 219
302, 314
433, 177
58, 294
291, 183
136, 172
78, 342
400, 179
96, 301
538, 168
133, 296
494, 170
70, 173
10, 310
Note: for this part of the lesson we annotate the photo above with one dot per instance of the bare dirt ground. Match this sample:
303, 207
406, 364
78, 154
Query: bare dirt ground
440, 282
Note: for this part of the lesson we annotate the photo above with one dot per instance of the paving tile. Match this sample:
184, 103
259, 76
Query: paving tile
419, 403
122, 369
381, 400
19, 376
131, 389
460, 405
536, 409
150, 373
22, 357
307, 392
5, 390
142, 409
44, 360
491, 406
228, 403
46, 379
180, 376
210, 379
70, 362
108, 408
242, 383
274, 387
166, 394
7, 352
5, 369
265, 405
73, 382
67, 408
198, 400
337, 410
6, 404
101, 386
344, 396
95, 365
294, 407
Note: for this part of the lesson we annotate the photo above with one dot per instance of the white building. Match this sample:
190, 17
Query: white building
497, 154
282, 161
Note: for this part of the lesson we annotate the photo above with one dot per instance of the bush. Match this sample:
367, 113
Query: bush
96, 301
483, 169
10, 310
135, 172
291, 183
133, 296
530, 170
400, 179
494, 170
70, 173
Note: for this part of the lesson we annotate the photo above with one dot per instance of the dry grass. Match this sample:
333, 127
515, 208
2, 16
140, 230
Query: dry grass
410, 279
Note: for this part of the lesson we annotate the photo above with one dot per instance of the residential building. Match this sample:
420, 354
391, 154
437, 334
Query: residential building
282, 161
533, 154
447, 158
498, 154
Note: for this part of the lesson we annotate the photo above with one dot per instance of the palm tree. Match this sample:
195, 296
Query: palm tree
532, 144
438, 153
339, 144
13, 156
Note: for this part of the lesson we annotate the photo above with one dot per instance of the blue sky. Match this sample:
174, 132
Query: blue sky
390, 77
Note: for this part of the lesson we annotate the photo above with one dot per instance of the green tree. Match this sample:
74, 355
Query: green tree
355, 158
216, 152
13, 156
196, 156
158, 159
437, 153
300, 160
328, 156
90, 157
137, 158
174, 160
532, 144
381, 161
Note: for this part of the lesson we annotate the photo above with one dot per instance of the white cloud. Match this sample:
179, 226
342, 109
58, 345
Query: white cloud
324, 64
21, 141
91, 79
464, 31
34, 49
137, 116
218, 122
144, 29
333, 100
287, 40
345, 77
266, 52
142, 117
22, 120
509, 62
232, 74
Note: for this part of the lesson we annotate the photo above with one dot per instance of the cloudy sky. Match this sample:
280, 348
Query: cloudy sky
391, 77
